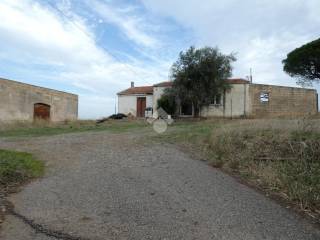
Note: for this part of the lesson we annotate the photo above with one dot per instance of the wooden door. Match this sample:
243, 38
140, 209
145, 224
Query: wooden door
41, 111
141, 106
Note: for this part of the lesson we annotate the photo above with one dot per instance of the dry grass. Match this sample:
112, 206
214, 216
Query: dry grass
280, 156
44, 128
14, 125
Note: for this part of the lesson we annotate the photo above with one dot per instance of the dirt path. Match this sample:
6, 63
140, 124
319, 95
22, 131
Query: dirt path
118, 186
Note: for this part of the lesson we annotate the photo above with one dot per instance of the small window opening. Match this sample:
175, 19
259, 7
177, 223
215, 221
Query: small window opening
217, 100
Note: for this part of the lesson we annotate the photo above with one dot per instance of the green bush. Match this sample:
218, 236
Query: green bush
167, 102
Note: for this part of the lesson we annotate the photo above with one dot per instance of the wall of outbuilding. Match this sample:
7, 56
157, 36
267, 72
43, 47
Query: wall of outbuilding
244, 100
17, 102
234, 103
283, 101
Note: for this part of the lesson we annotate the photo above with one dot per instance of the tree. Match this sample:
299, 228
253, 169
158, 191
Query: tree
304, 63
168, 101
199, 75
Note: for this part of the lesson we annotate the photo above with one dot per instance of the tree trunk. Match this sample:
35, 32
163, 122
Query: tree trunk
196, 108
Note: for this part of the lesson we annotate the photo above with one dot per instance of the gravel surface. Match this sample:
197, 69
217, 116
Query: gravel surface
119, 186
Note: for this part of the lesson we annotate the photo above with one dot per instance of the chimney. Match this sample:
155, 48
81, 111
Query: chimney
132, 84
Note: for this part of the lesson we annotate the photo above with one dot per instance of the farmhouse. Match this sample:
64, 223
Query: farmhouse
244, 99
20, 101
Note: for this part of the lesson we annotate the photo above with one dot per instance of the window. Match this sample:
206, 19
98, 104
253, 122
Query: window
217, 100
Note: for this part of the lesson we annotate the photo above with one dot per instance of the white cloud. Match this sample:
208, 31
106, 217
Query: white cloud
260, 32
100, 103
34, 35
27, 26
265, 55
131, 25
63, 49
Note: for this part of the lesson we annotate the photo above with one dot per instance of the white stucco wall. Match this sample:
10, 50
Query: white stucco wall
235, 103
128, 103
213, 111
149, 100
157, 93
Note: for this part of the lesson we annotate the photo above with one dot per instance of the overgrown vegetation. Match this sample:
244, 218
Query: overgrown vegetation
168, 101
199, 76
43, 128
279, 156
18, 167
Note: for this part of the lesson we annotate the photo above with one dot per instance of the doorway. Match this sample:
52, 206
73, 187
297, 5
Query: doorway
141, 106
41, 111
186, 109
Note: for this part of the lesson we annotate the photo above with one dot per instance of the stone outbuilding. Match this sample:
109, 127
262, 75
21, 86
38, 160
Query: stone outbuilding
25, 102
246, 99
243, 99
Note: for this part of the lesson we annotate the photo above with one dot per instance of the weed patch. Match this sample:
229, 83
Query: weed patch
280, 156
25, 129
18, 167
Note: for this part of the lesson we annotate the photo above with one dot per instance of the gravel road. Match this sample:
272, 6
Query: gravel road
120, 186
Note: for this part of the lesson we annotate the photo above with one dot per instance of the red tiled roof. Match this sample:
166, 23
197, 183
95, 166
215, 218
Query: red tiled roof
149, 89
137, 90
164, 84
230, 80
237, 81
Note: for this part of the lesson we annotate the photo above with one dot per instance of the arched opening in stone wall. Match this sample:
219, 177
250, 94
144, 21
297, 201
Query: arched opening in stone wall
41, 111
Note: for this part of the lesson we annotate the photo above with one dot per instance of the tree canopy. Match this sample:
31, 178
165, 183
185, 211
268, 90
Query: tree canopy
304, 63
199, 75
168, 101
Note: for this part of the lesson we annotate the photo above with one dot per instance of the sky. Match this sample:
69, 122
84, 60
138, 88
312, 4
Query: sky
95, 48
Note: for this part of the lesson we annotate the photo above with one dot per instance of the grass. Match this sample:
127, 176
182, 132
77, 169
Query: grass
189, 131
26, 129
18, 167
279, 156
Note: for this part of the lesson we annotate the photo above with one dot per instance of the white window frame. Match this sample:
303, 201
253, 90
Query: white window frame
214, 103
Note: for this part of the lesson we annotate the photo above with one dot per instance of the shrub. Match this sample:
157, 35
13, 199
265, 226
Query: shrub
167, 102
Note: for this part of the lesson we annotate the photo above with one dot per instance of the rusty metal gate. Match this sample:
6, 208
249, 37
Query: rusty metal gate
41, 111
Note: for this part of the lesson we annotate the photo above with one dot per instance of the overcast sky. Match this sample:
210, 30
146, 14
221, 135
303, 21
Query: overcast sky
95, 48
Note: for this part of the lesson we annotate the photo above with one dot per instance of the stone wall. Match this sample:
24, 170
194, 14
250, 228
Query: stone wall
277, 101
17, 102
